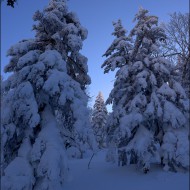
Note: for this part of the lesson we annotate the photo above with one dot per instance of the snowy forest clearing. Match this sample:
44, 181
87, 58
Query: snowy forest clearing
46, 118
106, 176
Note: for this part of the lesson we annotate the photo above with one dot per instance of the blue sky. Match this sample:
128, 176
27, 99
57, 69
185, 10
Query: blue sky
97, 17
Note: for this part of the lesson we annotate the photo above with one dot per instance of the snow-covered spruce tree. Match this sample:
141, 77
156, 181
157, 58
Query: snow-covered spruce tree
117, 57
99, 118
149, 122
49, 75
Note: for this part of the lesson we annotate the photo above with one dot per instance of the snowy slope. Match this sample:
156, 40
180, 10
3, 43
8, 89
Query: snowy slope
106, 176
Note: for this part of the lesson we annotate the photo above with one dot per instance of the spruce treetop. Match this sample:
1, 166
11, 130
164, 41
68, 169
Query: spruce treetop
118, 52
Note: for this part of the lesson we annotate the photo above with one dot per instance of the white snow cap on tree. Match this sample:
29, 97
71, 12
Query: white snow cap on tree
148, 103
99, 119
48, 75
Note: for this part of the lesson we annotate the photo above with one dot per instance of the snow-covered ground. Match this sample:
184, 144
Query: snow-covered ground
106, 176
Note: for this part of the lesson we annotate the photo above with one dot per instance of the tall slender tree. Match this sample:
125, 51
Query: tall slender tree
49, 75
149, 122
99, 119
